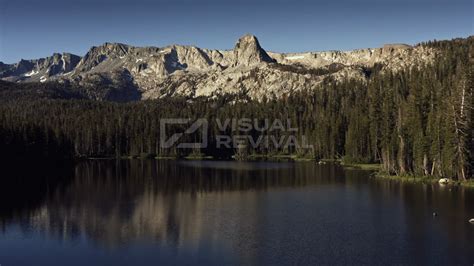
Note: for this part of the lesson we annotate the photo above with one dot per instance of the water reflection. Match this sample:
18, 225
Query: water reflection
250, 211
115, 202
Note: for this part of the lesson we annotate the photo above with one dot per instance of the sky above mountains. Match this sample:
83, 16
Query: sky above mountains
33, 29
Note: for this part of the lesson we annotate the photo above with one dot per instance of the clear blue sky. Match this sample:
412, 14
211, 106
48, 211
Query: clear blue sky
37, 28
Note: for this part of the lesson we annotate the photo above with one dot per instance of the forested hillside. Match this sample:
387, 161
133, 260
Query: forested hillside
415, 121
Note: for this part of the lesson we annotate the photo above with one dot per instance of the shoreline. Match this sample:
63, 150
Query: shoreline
378, 173
375, 168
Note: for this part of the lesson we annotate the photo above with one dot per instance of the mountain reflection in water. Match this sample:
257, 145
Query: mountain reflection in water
250, 210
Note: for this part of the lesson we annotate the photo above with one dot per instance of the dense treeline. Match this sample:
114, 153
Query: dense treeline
414, 121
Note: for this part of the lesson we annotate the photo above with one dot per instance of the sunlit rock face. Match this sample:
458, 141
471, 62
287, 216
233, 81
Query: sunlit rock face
247, 52
176, 70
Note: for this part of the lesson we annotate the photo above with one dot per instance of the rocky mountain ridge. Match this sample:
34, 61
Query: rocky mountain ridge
154, 72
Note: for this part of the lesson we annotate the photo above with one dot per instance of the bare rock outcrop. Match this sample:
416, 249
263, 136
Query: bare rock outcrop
155, 72
248, 52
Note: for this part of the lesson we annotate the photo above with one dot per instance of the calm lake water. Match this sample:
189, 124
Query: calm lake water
226, 213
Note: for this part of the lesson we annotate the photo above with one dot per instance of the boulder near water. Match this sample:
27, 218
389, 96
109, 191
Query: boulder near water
443, 181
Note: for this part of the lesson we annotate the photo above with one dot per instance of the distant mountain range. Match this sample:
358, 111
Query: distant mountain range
176, 70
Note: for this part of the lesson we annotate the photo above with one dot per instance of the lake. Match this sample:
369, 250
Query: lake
162, 212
